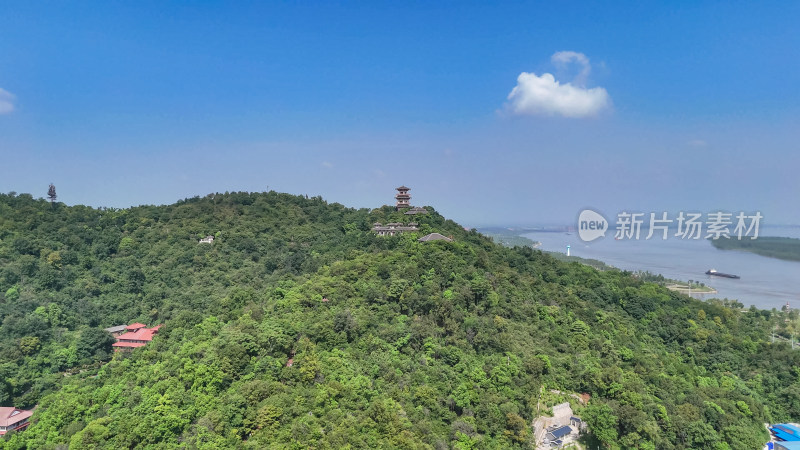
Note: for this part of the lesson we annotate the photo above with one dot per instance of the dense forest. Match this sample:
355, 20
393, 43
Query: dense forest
394, 343
774, 247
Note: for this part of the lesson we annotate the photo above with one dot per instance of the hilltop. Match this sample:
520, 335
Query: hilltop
393, 342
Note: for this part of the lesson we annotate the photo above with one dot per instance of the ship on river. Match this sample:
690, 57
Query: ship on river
720, 274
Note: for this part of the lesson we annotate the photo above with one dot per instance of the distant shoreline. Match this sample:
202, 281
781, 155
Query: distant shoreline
784, 248
510, 237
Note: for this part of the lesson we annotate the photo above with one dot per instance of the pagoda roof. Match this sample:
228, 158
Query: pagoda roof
435, 237
403, 188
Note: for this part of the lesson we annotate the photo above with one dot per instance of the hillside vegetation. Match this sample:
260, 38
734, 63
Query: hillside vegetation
394, 343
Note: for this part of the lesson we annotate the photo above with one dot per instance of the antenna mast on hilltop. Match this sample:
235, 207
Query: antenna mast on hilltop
51, 194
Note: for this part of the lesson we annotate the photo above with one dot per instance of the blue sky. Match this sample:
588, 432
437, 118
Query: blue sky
647, 106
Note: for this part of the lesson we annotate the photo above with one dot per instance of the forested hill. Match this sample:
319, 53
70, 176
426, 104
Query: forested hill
394, 343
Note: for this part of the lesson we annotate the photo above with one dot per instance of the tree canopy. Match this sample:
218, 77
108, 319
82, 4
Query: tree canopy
392, 342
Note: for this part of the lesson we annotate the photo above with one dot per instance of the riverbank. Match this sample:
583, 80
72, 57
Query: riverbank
694, 289
509, 237
766, 282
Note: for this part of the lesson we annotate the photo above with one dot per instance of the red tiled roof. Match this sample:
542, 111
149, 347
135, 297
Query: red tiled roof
143, 334
135, 326
138, 338
9, 419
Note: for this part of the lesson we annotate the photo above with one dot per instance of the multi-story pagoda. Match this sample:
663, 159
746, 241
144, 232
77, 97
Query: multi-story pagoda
402, 197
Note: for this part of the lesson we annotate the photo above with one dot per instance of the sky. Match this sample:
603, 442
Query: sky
522, 113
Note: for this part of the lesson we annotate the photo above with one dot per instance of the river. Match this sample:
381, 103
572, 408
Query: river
765, 282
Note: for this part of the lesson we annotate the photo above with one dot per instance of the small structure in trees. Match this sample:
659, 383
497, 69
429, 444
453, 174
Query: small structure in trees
562, 428
558, 433
562, 413
136, 335
207, 240
786, 432
117, 330
435, 237
390, 229
416, 210
51, 194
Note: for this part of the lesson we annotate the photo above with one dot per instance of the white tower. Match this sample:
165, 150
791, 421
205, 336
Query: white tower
567, 250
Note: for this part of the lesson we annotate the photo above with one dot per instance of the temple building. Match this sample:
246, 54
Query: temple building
136, 335
403, 198
116, 331
435, 237
13, 419
416, 210
391, 229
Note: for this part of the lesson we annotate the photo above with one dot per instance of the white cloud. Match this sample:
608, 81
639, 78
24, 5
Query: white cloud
563, 59
544, 95
327, 164
6, 102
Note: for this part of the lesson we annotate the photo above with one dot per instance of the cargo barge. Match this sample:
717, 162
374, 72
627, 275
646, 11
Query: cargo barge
720, 274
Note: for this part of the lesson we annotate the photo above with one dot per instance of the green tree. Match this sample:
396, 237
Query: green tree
602, 422
94, 343
29, 345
